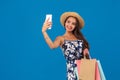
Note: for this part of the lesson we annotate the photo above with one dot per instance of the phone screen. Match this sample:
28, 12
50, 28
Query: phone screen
50, 18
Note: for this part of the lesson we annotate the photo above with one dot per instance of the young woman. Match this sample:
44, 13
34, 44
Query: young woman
72, 42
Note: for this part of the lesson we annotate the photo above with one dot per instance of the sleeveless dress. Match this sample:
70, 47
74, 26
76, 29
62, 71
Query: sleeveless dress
72, 50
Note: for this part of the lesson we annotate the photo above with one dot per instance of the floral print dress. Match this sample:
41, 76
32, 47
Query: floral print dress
72, 50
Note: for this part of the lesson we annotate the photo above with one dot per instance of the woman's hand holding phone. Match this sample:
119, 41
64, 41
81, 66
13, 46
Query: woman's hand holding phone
49, 18
48, 23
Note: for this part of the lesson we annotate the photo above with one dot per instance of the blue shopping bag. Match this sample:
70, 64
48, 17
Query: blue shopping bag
102, 75
76, 71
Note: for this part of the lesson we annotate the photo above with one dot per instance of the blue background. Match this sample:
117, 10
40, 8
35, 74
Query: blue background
24, 55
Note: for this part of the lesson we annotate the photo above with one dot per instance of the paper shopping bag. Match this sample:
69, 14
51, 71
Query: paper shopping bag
76, 72
97, 72
86, 69
102, 75
78, 62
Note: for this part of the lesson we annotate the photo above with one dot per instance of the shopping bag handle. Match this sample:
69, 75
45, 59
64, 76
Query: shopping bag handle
87, 56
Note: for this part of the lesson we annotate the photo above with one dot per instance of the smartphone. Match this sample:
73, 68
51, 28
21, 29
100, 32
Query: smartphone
50, 18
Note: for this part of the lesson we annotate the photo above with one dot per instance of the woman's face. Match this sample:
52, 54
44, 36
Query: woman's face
70, 24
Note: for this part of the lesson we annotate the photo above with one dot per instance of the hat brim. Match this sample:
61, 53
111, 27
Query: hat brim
74, 14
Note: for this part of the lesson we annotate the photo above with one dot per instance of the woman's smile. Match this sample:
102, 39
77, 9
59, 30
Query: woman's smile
69, 28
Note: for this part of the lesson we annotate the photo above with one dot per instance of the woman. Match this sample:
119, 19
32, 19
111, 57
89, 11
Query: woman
72, 43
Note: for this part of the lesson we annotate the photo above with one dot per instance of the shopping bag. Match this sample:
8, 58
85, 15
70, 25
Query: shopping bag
97, 72
86, 69
76, 72
102, 75
78, 66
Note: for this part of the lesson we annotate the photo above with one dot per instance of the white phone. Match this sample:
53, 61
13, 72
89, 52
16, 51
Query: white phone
50, 18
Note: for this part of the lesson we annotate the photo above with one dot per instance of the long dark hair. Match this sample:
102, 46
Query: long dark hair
78, 34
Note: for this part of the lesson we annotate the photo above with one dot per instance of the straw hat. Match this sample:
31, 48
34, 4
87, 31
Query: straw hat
74, 14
